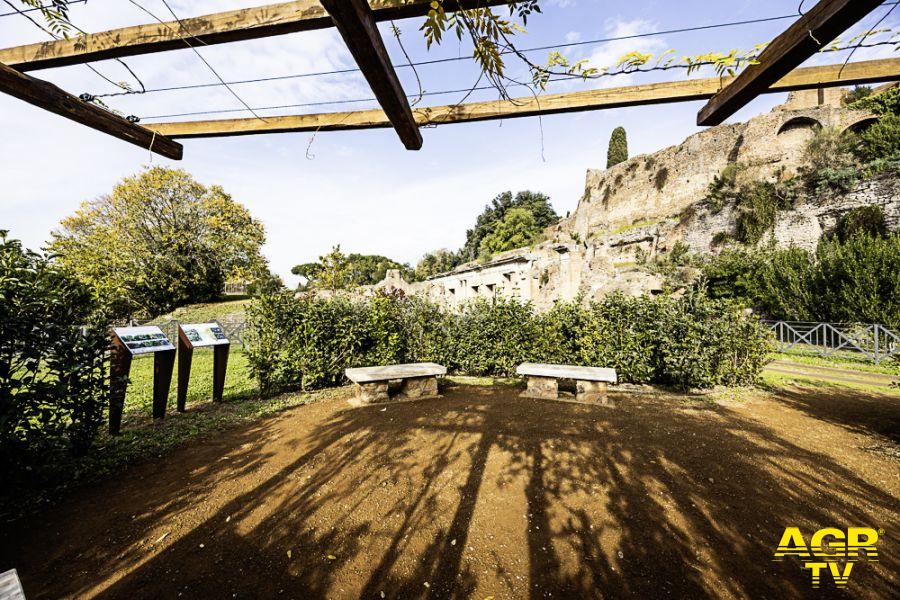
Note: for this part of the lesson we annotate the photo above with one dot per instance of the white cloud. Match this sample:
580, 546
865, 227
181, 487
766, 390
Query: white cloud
561, 3
608, 54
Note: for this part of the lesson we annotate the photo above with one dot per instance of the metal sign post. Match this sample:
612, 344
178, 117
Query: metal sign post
201, 335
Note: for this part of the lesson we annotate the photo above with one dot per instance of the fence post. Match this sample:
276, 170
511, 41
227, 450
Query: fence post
877, 358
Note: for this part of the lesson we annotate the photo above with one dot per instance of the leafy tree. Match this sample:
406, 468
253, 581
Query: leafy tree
336, 270
517, 228
857, 93
618, 147
158, 241
536, 203
433, 263
856, 279
369, 269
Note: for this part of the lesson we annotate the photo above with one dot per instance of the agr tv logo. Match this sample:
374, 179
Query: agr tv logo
830, 550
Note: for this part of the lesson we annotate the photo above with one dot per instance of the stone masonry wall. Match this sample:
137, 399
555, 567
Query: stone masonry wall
641, 208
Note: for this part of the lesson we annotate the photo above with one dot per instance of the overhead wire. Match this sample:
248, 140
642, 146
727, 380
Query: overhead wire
468, 91
37, 8
450, 59
197, 52
24, 13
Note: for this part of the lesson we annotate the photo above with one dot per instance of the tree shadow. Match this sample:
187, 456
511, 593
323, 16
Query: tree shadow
477, 492
854, 410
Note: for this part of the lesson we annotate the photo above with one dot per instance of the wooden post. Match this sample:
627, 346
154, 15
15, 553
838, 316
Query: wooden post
810, 33
220, 366
217, 28
185, 358
355, 21
119, 370
44, 94
163, 365
855, 73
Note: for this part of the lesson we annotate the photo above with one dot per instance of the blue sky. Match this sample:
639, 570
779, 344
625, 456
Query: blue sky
361, 189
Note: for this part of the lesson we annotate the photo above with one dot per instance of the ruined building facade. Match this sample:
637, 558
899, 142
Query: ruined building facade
641, 208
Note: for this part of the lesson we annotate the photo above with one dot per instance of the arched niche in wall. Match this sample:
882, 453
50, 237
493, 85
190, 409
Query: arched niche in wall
795, 132
861, 125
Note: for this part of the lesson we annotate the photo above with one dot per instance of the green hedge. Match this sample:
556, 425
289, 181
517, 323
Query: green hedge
853, 276
53, 385
689, 342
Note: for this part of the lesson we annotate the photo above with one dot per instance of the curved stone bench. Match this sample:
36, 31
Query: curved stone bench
419, 381
590, 382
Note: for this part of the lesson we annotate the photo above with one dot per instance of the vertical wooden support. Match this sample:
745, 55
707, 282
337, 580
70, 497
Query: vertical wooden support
119, 370
185, 358
220, 366
163, 365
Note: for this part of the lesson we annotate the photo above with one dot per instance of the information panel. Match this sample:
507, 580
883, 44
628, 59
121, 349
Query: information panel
143, 340
204, 334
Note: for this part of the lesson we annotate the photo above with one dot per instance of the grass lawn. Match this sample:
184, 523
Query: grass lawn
890, 366
203, 313
239, 385
774, 381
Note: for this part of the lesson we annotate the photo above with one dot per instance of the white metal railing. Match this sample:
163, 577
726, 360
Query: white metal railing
873, 341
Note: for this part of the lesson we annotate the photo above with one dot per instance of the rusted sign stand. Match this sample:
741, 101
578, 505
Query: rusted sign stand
126, 343
201, 335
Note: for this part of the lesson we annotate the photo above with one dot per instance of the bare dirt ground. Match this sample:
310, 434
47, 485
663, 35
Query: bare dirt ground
484, 494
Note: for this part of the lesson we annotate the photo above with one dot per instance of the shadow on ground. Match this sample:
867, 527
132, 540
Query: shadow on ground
479, 493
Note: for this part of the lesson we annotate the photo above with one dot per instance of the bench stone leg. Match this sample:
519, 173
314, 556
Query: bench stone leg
419, 387
591, 392
543, 388
371, 393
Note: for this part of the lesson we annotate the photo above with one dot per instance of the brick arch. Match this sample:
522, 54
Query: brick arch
799, 123
860, 125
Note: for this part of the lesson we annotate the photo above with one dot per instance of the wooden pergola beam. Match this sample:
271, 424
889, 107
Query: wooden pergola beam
356, 24
49, 97
855, 73
809, 34
216, 28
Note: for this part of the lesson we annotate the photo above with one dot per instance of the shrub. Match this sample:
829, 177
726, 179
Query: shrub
881, 165
758, 206
493, 338
52, 352
725, 187
693, 342
865, 219
881, 141
886, 103
858, 280
662, 176
828, 150
732, 275
855, 279
619, 332
784, 285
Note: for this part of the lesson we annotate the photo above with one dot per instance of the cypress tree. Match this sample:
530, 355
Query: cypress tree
618, 147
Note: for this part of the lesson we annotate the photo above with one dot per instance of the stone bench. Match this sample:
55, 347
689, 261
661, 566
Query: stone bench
590, 382
10, 587
419, 381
